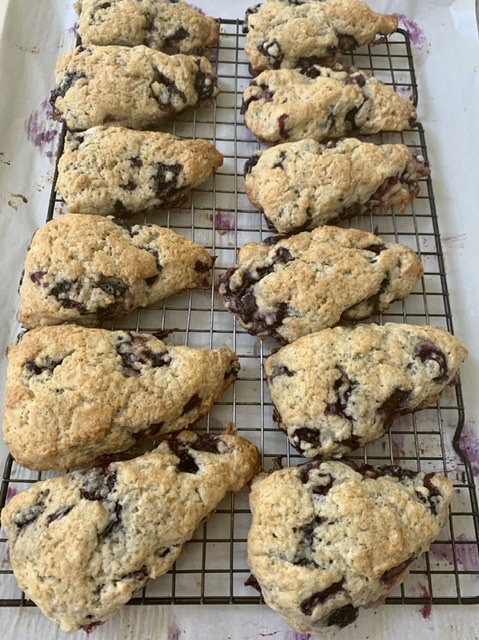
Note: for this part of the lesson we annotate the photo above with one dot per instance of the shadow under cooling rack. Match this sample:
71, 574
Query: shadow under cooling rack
213, 567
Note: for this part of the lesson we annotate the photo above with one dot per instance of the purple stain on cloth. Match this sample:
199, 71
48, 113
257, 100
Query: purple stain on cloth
295, 635
174, 634
466, 553
198, 9
41, 131
470, 445
397, 442
426, 609
416, 34
89, 628
11, 492
222, 222
73, 30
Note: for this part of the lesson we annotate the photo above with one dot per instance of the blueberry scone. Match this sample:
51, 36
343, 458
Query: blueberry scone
81, 545
329, 537
287, 287
135, 87
88, 269
76, 394
322, 104
283, 34
302, 185
168, 25
114, 170
335, 390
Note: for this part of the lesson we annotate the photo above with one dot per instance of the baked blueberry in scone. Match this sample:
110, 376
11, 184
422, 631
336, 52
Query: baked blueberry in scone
168, 25
90, 269
135, 87
287, 287
335, 390
329, 537
302, 185
119, 171
74, 395
322, 104
283, 34
82, 544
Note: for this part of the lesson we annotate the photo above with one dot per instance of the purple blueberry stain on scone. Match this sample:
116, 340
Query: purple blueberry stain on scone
207, 442
37, 276
58, 515
38, 366
307, 606
242, 299
343, 617
98, 483
265, 94
428, 352
65, 291
134, 353
26, 516
165, 179
391, 576
205, 84
272, 51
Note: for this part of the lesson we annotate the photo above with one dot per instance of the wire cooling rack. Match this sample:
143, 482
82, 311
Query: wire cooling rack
213, 567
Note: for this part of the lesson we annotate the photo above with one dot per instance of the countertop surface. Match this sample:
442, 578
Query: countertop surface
446, 53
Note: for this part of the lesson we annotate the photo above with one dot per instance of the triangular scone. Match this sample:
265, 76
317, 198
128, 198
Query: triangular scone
166, 25
90, 269
119, 171
337, 389
322, 104
302, 185
283, 34
328, 537
287, 287
82, 544
135, 87
76, 394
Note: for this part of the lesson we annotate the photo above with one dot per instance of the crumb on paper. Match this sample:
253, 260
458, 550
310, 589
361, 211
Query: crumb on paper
28, 49
21, 196
12, 204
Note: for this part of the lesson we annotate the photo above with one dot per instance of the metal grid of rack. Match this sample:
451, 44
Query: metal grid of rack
213, 567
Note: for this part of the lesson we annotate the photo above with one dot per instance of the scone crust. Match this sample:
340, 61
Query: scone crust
302, 185
160, 24
82, 544
337, 389
135, 87
312, 280
327, 537
322, 104
282, 35
88, 269
76, 394
119, 171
